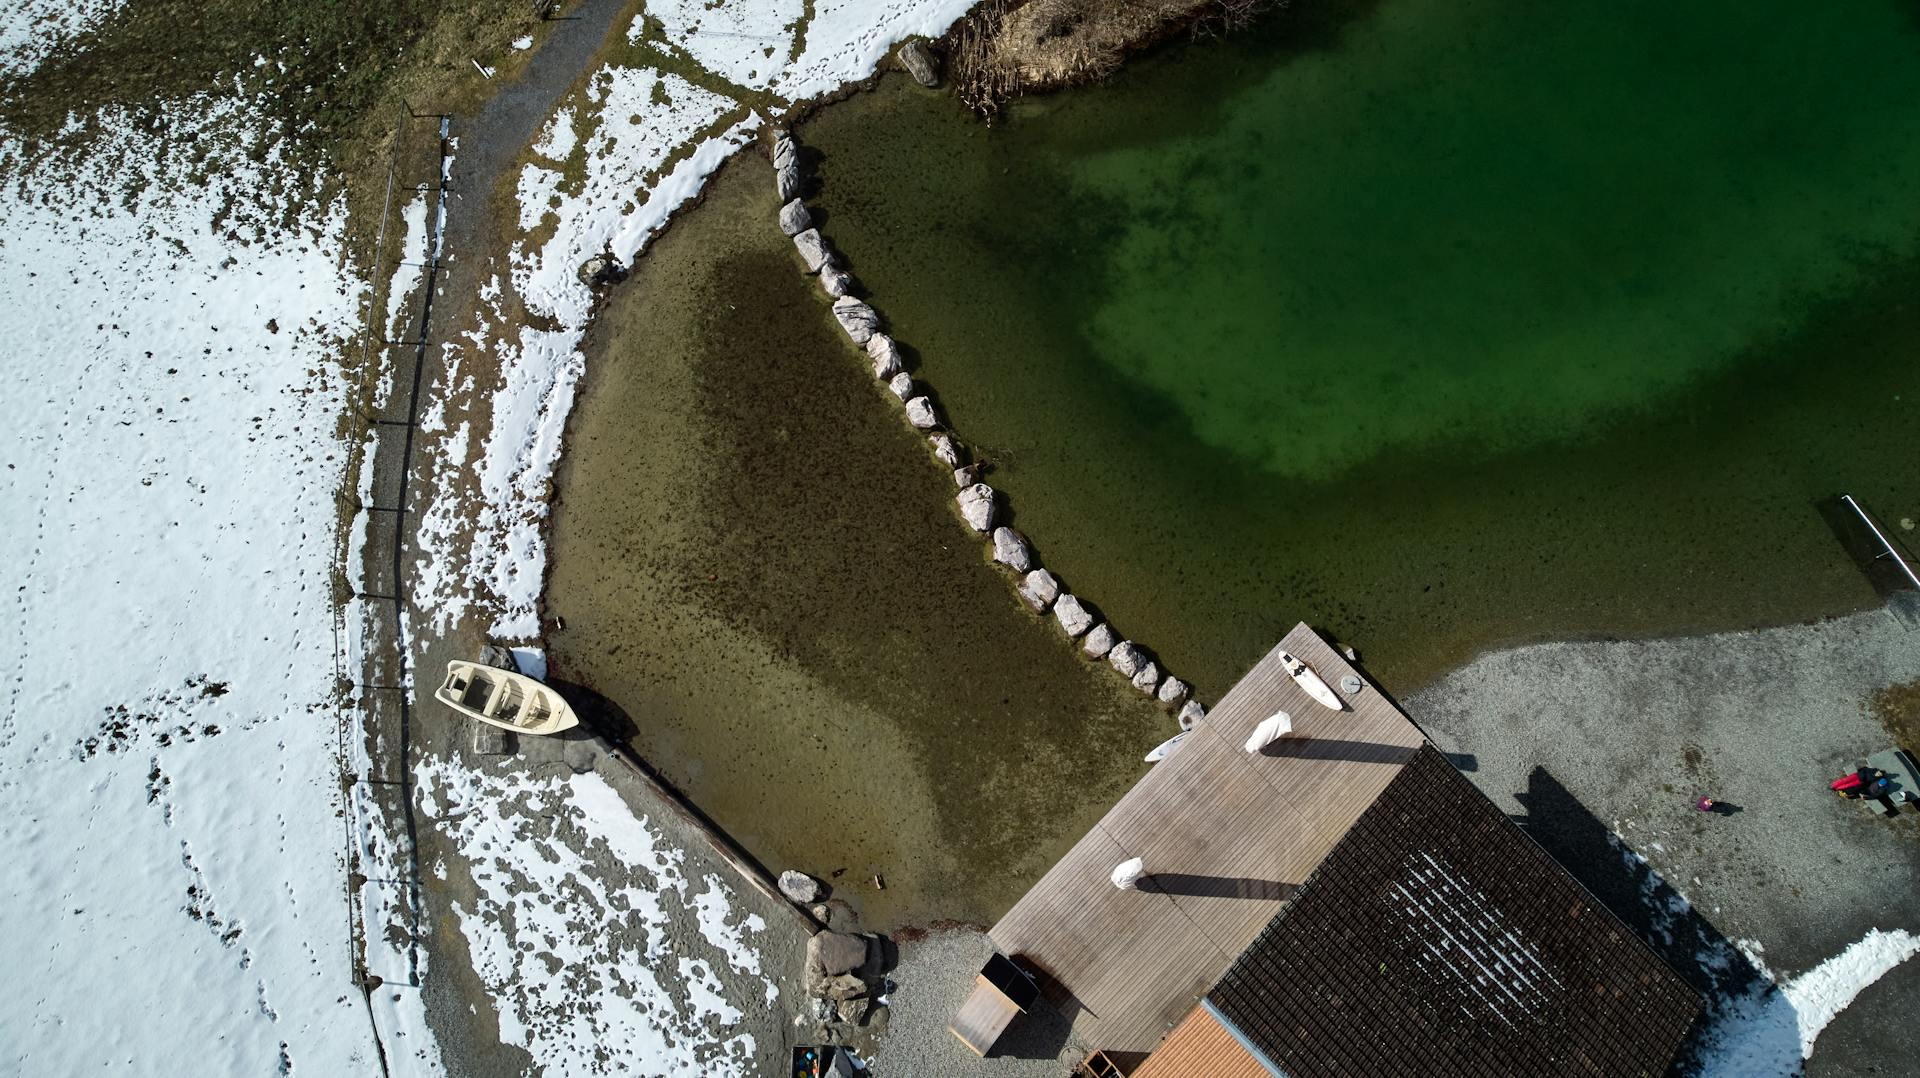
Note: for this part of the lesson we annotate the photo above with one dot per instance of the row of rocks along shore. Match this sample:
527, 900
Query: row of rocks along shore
978, 503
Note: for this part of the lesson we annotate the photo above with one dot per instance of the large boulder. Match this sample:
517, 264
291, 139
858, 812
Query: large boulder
1147, 678
799, 886
1099, 640
785, 152
919, 63
813, 249
886, 357
1126, 658
859, 320
902, 385
976, 505
786, 180
834, 953
1040, 589
967, 475
945, 449
1012, 550
834, 281
794, 218
1191, 712
1174, 692
1071, 615
920, 413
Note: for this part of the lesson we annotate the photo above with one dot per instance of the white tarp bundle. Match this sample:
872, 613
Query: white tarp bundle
1270, 730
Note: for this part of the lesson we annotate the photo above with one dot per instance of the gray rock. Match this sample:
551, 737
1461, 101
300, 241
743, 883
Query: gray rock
1193, 711
836, 952
1126, 658
920, 413
1100, 640
976, 504
886, 357
1072, 616
902, 385
1040, 589
498, 657
1147, 678
877, 1019
1174, 692
835, 281
794, 218
1012, 550
786, 180
859, 320
799, 886
852, 1011
843, 986
813, 249
945, 449
967, 475
919, 64
822, 913
785, 152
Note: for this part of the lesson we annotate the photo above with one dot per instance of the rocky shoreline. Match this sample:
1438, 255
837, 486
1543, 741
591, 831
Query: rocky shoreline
983, 509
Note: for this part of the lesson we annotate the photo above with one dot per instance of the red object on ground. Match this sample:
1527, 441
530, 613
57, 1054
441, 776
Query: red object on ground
1846, 782
1705, 804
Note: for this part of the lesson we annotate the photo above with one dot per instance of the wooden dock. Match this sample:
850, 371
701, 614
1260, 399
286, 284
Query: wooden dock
1226, 837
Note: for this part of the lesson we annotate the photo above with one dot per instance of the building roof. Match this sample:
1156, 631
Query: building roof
1438, 939
1200, 1045
1226, 837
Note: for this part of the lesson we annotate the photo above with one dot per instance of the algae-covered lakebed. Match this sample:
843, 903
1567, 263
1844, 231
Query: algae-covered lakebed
1438, 325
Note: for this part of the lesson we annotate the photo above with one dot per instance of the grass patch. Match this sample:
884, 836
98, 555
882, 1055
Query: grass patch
1898, 709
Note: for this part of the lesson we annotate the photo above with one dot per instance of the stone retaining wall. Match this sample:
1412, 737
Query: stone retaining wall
979, 505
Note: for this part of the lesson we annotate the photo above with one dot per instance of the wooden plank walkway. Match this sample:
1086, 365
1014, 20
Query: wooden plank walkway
1226, 837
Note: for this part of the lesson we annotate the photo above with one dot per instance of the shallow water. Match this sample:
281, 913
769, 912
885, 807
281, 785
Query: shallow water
763, 580
1438, 325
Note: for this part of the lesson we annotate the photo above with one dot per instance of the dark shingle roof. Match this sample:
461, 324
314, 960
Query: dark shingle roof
1438, 939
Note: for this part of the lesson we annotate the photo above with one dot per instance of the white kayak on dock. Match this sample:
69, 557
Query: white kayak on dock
1165, 748
1304, 676
504, 698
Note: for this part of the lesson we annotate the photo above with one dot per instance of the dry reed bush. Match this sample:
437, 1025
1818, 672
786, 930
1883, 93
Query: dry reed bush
1004, 49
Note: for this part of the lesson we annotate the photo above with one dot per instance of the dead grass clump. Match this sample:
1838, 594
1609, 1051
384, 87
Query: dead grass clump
1898, 709
1005, 48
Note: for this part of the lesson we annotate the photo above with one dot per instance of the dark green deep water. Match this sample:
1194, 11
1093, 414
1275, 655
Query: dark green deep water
1439, 325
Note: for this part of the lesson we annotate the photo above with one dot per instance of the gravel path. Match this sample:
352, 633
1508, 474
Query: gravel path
1580, 740
934, 976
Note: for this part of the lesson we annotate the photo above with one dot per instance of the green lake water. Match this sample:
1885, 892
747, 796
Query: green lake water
1438, 325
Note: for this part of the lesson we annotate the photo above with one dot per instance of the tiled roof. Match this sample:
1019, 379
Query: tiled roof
1437, 939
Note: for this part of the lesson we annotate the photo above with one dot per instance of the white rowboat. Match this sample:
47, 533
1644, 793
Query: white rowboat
504, 698
1304, 676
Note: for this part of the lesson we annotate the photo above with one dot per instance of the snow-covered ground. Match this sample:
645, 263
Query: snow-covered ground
581, 899
177, 894
642, 143
174, 900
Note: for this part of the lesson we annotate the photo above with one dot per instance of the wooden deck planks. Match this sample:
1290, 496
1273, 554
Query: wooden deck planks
1227, 835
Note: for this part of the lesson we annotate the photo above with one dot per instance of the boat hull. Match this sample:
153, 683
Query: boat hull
504, 698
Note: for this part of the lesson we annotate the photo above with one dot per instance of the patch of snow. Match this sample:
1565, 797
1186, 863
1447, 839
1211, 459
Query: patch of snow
558, 138
578, 898
173, 816
1764, 1027
742, 43
30, 30
848, 39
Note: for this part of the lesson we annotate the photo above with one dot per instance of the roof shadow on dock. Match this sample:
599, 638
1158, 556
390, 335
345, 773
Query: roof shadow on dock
1186, 883
1333, 748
